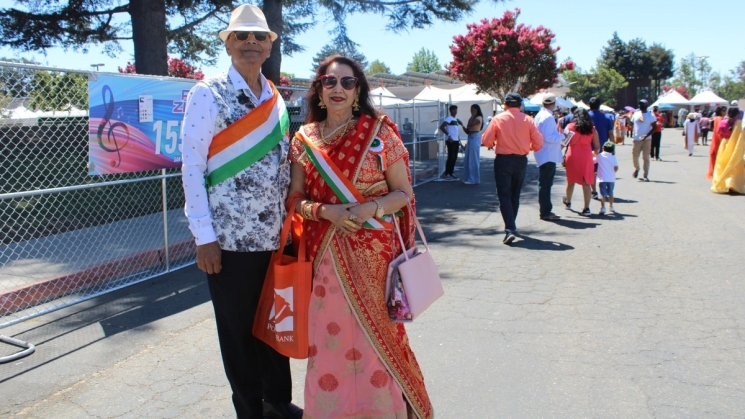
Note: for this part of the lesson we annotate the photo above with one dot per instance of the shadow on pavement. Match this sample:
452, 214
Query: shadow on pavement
119, 311
624, 201
662, 181
526, 242
575, 225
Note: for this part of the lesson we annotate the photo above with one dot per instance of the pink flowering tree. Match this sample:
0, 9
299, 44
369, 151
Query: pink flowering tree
501, 56
176, 68
680, 89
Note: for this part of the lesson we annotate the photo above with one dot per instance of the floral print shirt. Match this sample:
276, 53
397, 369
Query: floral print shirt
243, 213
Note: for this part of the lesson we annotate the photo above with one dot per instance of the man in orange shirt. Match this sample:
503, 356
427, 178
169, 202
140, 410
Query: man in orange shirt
513, 135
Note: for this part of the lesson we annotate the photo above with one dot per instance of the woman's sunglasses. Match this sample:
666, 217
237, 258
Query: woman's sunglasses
259, 36
348, 83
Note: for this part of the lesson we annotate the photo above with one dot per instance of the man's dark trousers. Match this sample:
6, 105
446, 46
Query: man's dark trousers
656, 142
509, 174
546, 173
453, 147
255, 370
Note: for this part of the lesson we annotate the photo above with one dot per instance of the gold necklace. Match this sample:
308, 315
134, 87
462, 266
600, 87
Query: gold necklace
333, 133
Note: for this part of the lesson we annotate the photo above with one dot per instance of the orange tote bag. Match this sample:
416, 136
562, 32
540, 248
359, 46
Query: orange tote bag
282, 315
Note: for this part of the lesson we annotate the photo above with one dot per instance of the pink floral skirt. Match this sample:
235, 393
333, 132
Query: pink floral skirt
345, 377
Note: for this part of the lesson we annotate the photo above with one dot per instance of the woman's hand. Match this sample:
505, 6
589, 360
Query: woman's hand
346, 222
364, 211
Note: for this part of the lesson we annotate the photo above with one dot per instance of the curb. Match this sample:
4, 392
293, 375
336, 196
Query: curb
46, 290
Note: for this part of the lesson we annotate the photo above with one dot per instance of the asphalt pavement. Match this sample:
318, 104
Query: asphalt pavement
636, 315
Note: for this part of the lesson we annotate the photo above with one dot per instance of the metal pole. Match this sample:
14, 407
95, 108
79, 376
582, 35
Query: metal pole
165, 220
416, 139
29, 348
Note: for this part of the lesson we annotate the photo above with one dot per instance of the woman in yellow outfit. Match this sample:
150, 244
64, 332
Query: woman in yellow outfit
729, 172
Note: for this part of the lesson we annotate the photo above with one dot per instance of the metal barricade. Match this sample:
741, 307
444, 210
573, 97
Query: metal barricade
65, 236
418, 123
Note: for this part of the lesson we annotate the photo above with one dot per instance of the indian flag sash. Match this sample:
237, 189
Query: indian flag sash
247, 140
343, 188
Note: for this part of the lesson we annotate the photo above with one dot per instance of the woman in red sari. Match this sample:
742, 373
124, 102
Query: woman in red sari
351, 170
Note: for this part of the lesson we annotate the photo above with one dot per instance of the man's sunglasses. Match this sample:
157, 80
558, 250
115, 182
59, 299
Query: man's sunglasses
259, 36
329, 82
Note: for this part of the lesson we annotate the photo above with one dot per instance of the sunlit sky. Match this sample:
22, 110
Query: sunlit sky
582, 28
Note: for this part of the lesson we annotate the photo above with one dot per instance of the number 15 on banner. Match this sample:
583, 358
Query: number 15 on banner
172, 140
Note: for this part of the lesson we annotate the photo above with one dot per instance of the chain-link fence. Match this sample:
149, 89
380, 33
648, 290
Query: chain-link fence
66, 236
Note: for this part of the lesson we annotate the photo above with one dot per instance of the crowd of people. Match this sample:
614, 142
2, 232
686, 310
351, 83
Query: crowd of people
346, 173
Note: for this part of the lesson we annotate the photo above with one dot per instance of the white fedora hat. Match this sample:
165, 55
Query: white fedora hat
247, 18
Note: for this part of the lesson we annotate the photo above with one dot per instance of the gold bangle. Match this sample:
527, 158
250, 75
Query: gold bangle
379, 211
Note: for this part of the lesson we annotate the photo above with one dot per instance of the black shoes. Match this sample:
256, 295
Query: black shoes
282, 411
566, 202
550, 217
509, 237
636, 173
585, 212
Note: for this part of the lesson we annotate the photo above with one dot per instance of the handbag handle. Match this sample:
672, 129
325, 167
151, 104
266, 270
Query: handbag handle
286, 231
418, 226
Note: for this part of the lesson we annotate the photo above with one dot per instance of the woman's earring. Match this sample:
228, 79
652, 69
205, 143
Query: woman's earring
356, 104
321, 104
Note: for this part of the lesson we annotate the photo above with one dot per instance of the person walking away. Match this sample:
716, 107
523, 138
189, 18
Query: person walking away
682, 112
548, 156
620, 128
360, 364
604, 126
691, 132
471, 174
705, 124
513, 135
657, 134
578, 159
450, 127
644, 126
235, 208
716, 139
568, 118
729, 172
607, 168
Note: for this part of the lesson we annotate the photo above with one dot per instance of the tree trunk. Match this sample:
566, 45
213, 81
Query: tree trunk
150, 36
273, 12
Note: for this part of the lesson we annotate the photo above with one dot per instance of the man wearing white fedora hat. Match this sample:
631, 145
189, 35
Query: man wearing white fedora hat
236, 176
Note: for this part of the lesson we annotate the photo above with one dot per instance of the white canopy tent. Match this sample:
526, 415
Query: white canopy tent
560, 101
671, 98
582, 104
382, 97
707, 98
606, 108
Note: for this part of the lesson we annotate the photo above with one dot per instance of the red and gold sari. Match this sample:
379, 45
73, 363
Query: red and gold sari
360, 364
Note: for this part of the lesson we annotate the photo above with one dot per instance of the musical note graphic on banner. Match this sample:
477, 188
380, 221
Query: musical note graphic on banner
111, 138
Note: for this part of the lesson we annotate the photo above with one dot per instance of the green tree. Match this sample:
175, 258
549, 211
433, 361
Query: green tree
424, 61
662, 66
602, 83
16, 81
689, 73
729, 86
187, 27
632, 60
288, 75
53, 91
377, 67
348, 49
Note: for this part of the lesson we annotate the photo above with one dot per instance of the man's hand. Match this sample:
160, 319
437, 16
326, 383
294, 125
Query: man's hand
208, 257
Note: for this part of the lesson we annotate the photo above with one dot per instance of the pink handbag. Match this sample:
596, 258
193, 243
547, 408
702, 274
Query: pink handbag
413, 283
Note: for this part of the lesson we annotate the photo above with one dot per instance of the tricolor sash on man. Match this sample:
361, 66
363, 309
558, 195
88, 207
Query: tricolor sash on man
247, 140
343, 188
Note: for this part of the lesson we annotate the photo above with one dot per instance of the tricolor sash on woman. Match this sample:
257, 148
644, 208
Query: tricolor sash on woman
247, 140
343, 188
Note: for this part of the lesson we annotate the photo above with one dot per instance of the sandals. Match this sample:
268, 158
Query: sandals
566, 202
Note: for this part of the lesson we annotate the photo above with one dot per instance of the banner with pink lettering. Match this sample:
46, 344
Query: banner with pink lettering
135, 123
